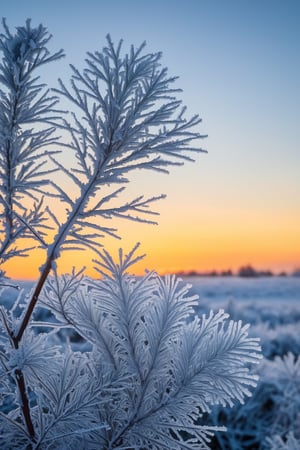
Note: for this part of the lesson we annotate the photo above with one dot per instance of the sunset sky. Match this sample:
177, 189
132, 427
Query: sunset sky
238, 63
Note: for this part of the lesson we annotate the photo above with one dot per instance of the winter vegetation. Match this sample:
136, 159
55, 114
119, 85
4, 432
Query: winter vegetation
117, 362
270, 418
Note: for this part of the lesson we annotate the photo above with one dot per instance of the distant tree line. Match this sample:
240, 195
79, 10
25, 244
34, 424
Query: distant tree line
246, 271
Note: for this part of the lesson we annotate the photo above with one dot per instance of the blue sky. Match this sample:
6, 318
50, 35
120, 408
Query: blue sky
238, 64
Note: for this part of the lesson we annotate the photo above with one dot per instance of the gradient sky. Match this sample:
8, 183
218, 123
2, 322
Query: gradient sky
239, 68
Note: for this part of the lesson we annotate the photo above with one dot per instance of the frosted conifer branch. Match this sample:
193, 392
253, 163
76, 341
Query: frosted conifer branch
175, 365
22, 150
129, 120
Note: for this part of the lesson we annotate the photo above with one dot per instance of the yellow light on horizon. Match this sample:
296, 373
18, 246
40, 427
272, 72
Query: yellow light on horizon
173, 249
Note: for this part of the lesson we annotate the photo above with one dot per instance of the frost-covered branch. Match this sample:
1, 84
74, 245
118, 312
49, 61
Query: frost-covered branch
24, 101
177, 365
128, 120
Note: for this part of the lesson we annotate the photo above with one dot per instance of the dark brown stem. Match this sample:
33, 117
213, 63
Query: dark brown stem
8, 204
16, 339
34, 299
52, 255
24, 402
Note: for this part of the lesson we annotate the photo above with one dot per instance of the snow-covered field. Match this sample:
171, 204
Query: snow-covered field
278, 290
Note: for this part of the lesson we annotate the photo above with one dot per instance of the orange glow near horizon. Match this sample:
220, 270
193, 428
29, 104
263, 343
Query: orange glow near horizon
197, 231
186, 243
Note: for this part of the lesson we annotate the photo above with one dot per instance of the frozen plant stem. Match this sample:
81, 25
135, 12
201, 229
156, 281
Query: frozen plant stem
54, 251
23, 102
25, 403
52, 255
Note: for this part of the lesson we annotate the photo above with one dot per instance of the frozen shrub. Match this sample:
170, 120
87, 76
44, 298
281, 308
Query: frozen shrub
153, 367
278, 443
145, 368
